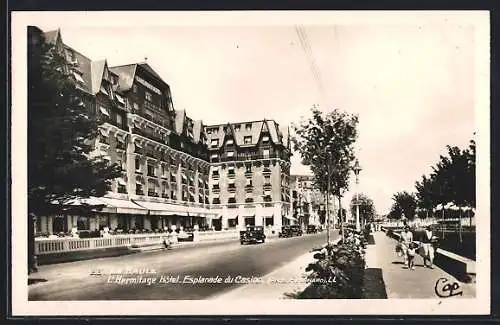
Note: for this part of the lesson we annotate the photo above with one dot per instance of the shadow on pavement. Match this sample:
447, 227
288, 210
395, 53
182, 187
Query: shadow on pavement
33, 281
374, 285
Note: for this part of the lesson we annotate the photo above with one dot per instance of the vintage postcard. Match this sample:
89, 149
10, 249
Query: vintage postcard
250, 163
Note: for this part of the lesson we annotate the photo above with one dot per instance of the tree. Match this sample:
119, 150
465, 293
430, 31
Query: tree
61, 130
405, 204
366, 208
325, 142
452, 180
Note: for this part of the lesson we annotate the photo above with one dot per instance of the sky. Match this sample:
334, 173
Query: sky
411, 84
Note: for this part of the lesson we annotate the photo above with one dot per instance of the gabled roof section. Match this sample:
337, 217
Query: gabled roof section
126, 75
83, 66
197, 129
148, 68
257, 128
97, 74
180, 119
52, 36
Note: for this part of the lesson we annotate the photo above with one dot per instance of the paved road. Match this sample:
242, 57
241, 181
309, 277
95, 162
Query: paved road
72, 281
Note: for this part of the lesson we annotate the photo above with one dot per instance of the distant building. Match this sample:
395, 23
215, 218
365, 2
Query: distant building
249, 173
305, 203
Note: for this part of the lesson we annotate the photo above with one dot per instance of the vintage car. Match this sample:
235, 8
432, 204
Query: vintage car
252, 234
285, 232
312, 229
296, 230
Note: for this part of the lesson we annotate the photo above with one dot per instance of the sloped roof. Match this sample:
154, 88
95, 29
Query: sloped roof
51, 36
239, 135
148, 68
180, 117
126, 75
197, 127
97, 73
84, 66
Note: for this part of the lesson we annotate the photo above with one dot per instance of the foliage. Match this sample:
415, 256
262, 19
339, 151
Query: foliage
60, 167
452, 179
366, 207
341, 266
404, 204
325, 142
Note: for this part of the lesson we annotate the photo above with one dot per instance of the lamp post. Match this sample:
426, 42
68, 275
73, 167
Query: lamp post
357, 169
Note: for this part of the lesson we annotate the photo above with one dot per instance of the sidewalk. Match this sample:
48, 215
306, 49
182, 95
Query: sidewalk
405, 283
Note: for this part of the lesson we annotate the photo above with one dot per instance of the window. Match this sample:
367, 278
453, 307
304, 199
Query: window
247, 139
249, 182
119, 163
237, 127
119, 119
214, 143
248, 126
209, 131
230, 153
136, 106
265, 139
215, 131
148, 96
134, 89
265, 153
137, 164
151, 170
214, 156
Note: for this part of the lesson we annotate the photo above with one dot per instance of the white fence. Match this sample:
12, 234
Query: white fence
62, 245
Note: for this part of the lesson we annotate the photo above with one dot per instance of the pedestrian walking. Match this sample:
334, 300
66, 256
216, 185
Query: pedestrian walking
428, 242
411, 252
405, 240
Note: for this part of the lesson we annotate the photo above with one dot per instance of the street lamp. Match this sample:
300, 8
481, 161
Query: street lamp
357, 169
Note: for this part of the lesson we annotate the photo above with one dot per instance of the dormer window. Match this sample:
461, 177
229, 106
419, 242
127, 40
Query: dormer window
230, 153
209, 131
214, 143
78, 77
265, 139
237, 127
230, 142
134, 88
248, 126
247, 139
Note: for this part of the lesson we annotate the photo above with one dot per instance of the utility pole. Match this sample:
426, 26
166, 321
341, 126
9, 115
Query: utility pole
327, 199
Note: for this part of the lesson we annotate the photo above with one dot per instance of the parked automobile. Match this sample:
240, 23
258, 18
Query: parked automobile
285, 232
296, 230
185, 236
252, 234
312, 229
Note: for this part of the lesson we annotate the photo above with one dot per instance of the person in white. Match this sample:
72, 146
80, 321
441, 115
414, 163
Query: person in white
405, 240
428, 245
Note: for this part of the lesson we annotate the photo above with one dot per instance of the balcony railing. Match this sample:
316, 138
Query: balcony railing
231, 188
231, 175
248, 173
148, 135
266, 171
139, 192
253, 156
216, 189
249, 188
268, 198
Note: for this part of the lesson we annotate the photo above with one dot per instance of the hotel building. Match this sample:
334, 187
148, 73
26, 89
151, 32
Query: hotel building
175, 170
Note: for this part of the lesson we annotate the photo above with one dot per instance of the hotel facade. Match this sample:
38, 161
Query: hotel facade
176, 171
